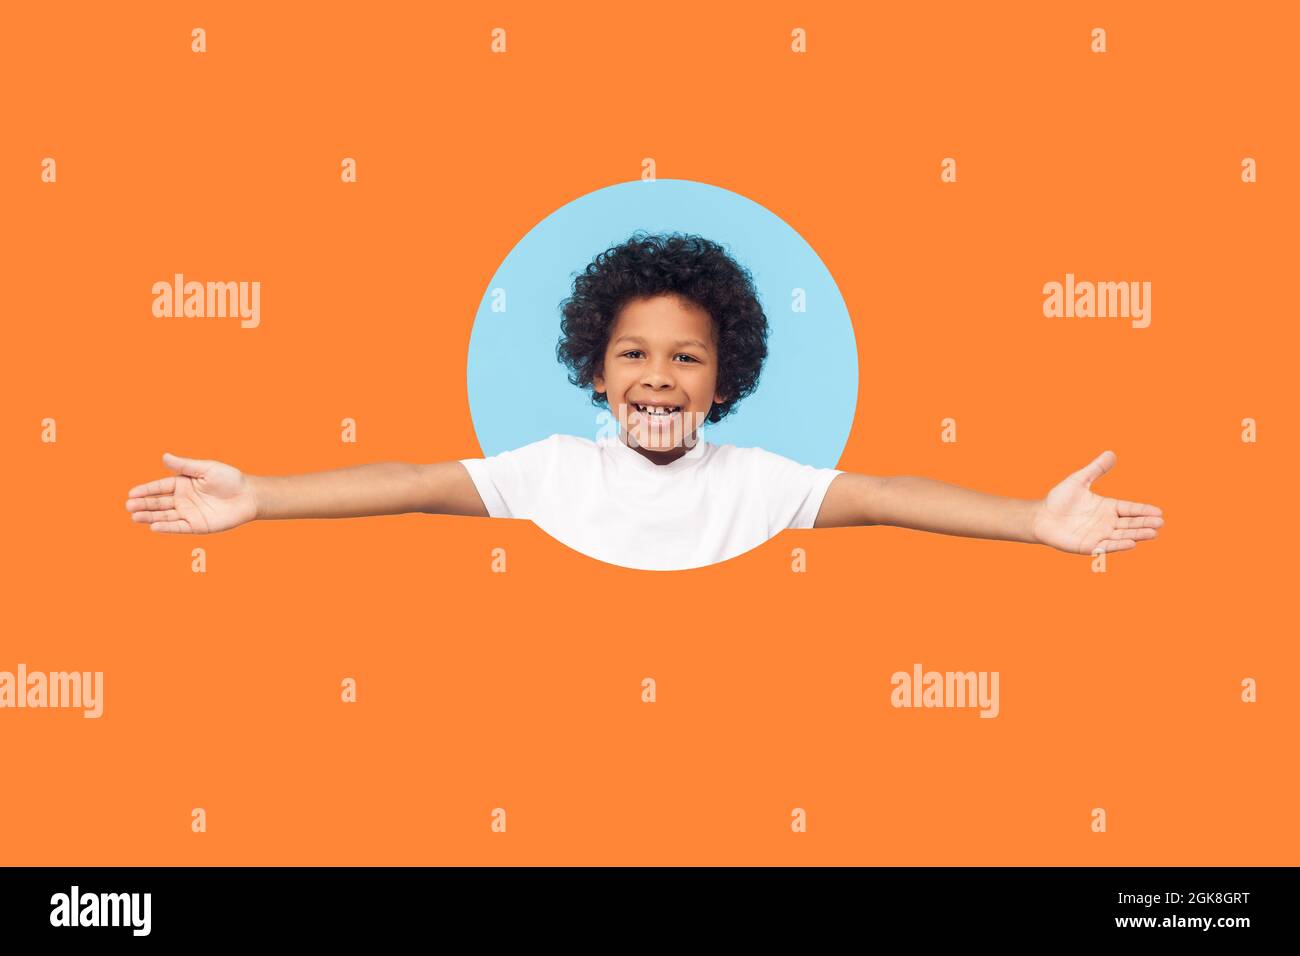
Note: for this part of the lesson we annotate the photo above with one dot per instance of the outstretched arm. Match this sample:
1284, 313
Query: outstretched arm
374, 488
1070, 518
205, 496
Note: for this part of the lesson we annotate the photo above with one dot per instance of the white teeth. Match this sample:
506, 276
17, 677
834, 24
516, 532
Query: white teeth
657, 412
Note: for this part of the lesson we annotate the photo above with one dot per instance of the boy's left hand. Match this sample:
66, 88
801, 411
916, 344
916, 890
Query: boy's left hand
1072, 518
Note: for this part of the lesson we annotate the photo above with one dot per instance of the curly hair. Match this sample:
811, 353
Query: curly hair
646, 265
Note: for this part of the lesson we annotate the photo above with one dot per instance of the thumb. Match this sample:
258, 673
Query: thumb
1098, 467
194, 467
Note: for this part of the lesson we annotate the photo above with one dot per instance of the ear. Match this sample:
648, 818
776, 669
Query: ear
598, 380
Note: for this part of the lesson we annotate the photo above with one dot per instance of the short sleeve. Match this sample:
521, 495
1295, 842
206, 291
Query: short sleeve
793, 491
509, 482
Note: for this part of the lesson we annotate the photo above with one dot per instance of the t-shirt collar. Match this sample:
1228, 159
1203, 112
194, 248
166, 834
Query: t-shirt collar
623, 452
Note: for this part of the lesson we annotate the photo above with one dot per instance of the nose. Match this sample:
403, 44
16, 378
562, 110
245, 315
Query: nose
658, 374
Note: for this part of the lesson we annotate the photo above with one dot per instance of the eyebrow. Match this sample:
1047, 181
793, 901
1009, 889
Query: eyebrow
636, 338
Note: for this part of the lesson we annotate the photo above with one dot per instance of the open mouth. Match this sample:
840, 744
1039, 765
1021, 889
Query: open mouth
658, 414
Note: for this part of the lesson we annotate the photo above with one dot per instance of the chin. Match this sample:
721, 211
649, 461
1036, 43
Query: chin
664, 442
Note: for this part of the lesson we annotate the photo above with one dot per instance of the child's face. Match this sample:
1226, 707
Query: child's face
662, 352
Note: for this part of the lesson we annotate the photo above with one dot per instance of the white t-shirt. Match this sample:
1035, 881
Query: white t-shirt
608, 501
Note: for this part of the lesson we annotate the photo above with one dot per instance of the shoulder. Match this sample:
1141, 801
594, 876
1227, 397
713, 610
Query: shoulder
558, 447
571, 447
760, 459
793, 491
571, 442
553, 443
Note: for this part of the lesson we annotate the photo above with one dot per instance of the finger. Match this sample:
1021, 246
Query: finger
161, 486
1111, 544
1098, 467
1133, 508
150, 517
175, 527
194, 467
150, 503
1135, 534
1152, 521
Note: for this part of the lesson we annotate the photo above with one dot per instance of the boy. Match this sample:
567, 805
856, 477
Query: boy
656, 497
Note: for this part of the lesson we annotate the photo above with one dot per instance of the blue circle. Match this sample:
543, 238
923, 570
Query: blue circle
807, 393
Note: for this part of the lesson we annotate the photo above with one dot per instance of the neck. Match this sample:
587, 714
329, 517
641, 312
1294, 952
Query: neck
658, 457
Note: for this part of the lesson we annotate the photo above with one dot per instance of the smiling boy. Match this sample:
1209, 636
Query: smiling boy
660, 410
668, 333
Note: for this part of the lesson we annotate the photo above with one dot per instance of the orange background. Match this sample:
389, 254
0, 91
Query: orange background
481, 690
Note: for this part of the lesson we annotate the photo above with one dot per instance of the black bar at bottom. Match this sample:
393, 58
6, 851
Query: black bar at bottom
655, 905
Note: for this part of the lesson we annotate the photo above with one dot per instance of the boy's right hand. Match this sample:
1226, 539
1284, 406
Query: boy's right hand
203, 497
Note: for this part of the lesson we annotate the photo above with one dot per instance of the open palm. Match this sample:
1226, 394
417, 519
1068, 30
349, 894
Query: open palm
203, 498
1073, 518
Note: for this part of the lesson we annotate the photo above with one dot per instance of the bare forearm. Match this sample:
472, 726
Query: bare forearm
376, 488
926, 504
